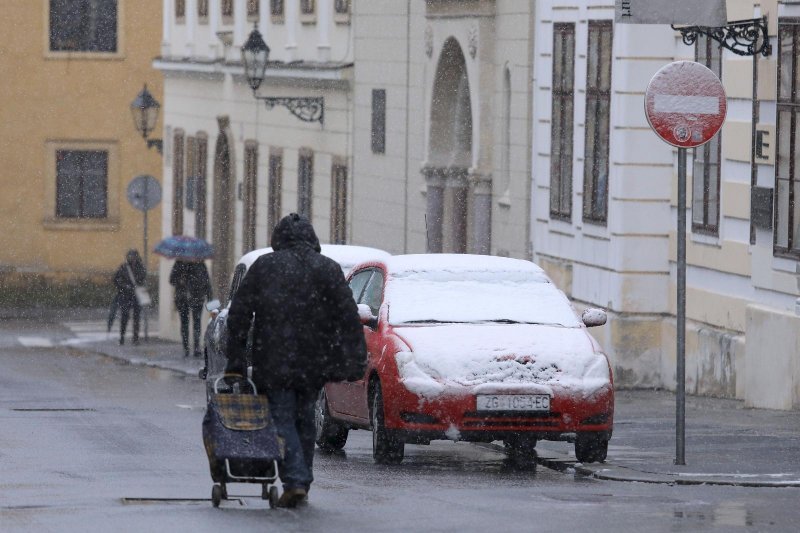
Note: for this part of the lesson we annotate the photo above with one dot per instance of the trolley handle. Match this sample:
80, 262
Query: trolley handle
239, 376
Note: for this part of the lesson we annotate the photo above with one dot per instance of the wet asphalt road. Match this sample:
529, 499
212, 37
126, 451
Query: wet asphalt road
89, 444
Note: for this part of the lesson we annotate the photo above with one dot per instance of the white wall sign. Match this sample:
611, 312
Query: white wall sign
681, 12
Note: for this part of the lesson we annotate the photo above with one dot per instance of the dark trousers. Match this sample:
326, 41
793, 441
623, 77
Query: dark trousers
184, 309
112, 312
125, 307
293, 415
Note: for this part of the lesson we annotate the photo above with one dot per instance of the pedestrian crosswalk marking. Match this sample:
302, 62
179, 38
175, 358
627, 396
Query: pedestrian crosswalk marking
84, 332
35, 342
98, 325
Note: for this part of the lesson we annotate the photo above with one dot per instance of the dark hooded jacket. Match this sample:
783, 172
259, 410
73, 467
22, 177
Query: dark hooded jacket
122, 278
191, 282
306, 330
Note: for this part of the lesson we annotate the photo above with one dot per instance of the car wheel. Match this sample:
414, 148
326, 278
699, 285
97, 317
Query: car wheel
387, 449
521, 448
331, 435
591, 448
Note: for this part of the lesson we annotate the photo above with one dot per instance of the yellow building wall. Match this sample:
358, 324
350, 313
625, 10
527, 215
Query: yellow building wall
80, 99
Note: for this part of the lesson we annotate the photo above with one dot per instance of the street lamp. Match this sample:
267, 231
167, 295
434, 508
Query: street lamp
144, 109
255, 56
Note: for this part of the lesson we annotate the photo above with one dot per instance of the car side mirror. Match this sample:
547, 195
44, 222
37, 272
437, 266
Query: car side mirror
366, 316
594, 317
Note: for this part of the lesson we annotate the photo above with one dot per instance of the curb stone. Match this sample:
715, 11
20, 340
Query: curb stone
612, 472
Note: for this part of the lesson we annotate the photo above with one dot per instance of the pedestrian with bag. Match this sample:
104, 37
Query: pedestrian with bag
132, 294
192, 287
305, 332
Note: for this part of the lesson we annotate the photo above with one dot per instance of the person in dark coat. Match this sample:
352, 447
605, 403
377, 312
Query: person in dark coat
192, 287
306, 332
129, 274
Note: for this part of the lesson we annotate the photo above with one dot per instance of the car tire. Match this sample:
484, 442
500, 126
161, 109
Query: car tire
591, 447
387, 449
521, 448
331, 435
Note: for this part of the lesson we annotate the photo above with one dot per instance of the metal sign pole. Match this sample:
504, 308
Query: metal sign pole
680, 387
145, 311
144, 193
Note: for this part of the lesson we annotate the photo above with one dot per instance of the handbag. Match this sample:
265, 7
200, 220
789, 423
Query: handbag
143, 297
140, 291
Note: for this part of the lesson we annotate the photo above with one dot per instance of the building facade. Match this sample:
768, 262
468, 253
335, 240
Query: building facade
510, 128
69, 146
604, 227
233, 167
442, 122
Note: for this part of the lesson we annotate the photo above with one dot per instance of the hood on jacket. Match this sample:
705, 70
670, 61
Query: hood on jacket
293, 230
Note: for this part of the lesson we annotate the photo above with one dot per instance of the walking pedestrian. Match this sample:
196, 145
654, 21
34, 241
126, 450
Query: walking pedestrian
305, 333
192, 287
130, 274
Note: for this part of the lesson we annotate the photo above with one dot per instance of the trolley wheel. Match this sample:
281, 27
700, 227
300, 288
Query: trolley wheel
216, 495
273, 497
265, 491
224, 490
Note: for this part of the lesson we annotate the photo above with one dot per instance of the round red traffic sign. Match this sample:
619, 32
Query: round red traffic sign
685, 104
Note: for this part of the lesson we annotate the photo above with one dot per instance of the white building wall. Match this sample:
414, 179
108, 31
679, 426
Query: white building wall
621, 265
204, 80
735, 290
397, 48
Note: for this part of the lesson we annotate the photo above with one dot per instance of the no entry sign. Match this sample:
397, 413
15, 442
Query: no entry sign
685, 104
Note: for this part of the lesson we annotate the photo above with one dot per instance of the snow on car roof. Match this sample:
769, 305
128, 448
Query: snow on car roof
346, 255
409, 264
462, 288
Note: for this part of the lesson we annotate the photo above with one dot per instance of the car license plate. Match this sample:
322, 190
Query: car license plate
513, 402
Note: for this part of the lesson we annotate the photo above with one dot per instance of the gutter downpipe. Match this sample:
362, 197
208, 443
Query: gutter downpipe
408, 91
529, 177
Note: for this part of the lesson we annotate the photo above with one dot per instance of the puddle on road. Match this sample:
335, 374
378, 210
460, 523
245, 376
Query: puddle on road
726, 514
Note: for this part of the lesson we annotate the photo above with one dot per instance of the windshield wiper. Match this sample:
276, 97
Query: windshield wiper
433, 321
510, 321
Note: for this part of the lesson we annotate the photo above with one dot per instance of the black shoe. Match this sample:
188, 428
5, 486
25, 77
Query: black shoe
121, 341
197, 353
291, 497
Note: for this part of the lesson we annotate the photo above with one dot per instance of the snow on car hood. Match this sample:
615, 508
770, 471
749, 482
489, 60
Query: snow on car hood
499, 358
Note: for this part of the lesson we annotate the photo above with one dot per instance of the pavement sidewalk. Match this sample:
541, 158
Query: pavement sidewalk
726, 443
155, 352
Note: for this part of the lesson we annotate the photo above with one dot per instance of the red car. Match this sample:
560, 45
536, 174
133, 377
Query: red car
473, 348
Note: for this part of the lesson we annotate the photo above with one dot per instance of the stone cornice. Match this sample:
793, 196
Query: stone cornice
331, 73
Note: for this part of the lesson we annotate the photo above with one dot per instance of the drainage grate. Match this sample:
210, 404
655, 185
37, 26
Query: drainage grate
175, 501
51, 409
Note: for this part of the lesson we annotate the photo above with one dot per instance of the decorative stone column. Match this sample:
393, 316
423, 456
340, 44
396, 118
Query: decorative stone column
324, 21
239, 22
191, 23
263, 19
213, 22
166, 28
292, 11
481, 185
455, 209
434, 213
222, 229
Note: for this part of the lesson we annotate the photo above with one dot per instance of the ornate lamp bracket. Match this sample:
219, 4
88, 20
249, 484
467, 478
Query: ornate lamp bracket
307, 109
742, 37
